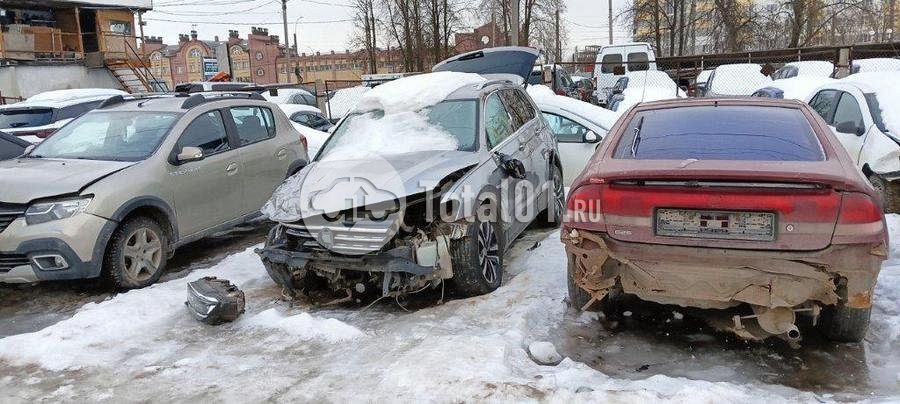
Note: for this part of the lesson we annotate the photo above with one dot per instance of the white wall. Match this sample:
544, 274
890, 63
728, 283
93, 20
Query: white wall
25, 81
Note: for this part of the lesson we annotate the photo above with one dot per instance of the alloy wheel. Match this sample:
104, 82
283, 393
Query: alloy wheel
488, 252
142, 254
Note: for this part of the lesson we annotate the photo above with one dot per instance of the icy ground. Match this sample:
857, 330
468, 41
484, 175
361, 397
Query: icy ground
143, 346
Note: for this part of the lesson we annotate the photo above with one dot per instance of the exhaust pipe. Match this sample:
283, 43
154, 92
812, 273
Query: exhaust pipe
793, 334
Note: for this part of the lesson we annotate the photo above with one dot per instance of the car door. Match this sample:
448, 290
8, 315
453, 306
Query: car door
533, 148
207, 191
264, 160
576, 147
502, 140
849, 109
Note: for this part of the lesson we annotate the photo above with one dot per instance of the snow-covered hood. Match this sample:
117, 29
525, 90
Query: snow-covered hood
335, 185
27, 179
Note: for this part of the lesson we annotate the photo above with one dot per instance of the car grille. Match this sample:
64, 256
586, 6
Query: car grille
10, 261
363, 237
9, 213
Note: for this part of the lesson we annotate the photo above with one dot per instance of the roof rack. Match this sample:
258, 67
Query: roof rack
202, 98
118, 99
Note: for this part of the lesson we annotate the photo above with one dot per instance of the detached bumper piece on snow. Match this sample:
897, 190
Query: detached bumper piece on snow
214, 301
776, 285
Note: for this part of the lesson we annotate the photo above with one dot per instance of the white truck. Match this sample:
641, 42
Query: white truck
613, 61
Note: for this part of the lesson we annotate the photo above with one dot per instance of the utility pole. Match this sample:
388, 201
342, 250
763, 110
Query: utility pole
610, 23
287, 44
558, 43
514, 21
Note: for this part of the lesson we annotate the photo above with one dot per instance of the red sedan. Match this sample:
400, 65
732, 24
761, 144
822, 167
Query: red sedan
749, 205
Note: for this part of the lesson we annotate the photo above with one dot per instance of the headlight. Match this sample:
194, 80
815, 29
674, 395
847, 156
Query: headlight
44, 212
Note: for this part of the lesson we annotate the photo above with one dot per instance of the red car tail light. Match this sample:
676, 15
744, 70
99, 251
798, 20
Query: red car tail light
860, 220
583, 209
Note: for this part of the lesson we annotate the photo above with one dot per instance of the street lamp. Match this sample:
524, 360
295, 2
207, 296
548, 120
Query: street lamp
296, 49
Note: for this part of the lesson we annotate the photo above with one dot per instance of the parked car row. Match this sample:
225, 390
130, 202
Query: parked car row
428, 180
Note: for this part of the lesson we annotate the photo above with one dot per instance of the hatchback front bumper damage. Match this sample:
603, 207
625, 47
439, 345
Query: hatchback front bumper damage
709, 278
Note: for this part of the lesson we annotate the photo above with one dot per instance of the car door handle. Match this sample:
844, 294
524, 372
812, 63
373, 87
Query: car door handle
231, 169
523, 145
281, 154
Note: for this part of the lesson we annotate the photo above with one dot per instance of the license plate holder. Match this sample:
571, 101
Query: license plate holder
715, 224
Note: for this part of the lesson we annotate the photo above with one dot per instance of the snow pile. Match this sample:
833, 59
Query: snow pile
415, 93
703, 77
544, 96
125, 329
876, 65
544, 353
636, 95
800, 87
369, 135
737, 79
886, 86
304, 326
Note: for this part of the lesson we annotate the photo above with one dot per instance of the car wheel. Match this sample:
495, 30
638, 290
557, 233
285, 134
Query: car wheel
477, 260
557, 203
887, 191
137, 254
281, 274
842, 323
578, 297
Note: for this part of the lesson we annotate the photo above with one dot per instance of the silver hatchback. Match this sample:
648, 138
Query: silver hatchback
117, 190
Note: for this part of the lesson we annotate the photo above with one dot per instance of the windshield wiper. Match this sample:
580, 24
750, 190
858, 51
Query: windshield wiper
637, 137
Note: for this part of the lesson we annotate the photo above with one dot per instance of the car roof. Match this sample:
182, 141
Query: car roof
724, 101
65, 98
176, 102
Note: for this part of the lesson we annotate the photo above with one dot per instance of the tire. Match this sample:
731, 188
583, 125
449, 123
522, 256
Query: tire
281, 274
844, 324
477, 260
578, 297
887, 191
556, 203
137, 254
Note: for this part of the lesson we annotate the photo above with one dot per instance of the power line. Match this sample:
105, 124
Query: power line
242, 23
213, 13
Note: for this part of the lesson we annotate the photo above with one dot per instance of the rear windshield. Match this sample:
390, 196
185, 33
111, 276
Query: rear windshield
720, 133
25, 118
610, 62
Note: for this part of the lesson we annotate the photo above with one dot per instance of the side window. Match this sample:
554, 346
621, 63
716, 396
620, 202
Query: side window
254, 124
308, 100
823, 104
518, 106
638, 61
301, 118
497, 121
610, 63
206, 132
565, 129
317, 120
848, 111
74, 111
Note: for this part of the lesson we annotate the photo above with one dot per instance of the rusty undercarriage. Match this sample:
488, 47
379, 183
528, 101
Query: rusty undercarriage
776, 285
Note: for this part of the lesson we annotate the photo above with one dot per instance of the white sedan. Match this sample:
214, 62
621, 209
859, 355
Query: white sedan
579, 127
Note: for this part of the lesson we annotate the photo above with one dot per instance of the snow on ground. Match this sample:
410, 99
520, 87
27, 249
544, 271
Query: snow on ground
144, 345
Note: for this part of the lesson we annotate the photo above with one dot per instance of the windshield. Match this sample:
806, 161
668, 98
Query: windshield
720, 133
25, 118
118, 136
449, 125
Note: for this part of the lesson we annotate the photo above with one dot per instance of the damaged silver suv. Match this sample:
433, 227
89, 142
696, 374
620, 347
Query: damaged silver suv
429, 179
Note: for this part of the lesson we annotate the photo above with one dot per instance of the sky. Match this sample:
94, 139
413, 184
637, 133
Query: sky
325, 25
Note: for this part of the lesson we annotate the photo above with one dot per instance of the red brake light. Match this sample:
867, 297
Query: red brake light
583, 208
860, 220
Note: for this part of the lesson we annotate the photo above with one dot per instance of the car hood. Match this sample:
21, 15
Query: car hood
334, 185
517, 60
25, 180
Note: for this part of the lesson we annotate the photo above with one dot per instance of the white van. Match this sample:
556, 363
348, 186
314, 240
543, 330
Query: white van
613, 61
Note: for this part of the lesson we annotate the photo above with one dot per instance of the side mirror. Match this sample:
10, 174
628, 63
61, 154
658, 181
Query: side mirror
189, 154
850, 127
513, 167
591, 137
273, 92
28, 150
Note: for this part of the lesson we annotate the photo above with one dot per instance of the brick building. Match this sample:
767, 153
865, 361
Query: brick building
485, 36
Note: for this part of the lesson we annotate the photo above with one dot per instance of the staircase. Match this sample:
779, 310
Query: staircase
132, 78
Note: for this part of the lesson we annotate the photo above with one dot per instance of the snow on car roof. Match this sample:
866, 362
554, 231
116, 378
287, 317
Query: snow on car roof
417, 92
738, 79
800, 87
292, 108
818, 68
344, 100
886, 86
283, 94
876, 65
651, 78
543, 95
703, 77
67, 97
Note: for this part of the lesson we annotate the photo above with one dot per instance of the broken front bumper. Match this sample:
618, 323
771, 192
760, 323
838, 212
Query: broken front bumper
396, 260
722, 278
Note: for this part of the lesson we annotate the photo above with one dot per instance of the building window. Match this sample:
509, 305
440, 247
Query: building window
179, 69
259, 55
260, 72
120, 27
195, 53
